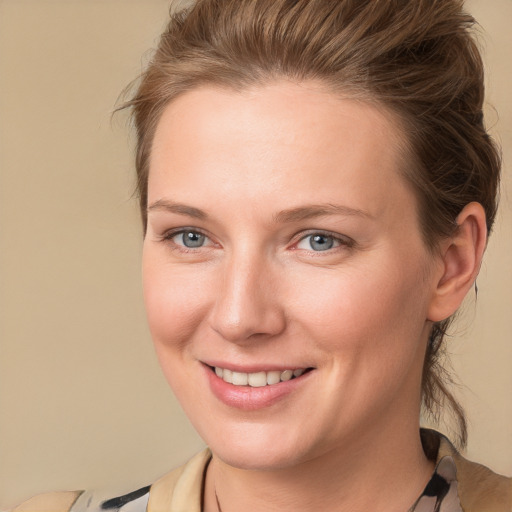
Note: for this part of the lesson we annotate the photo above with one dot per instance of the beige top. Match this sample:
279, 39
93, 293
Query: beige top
476, 486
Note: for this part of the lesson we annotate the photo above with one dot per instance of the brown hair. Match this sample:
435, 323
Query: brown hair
417, 58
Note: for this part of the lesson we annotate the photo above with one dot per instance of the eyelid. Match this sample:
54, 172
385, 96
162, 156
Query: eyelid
168, 235
343, 240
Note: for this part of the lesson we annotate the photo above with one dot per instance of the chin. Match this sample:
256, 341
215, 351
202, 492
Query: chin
258, 447
253, 458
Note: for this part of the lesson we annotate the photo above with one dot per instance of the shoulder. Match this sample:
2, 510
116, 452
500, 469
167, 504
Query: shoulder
180, 490
50, 502
479, 488
86, 501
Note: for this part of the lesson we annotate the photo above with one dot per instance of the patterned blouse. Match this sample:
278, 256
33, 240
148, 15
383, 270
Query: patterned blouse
457, 485
440, 494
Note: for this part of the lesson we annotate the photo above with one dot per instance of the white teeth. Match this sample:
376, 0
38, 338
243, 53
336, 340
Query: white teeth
286, 375
273, 377
257, 379
239, 379
227, 375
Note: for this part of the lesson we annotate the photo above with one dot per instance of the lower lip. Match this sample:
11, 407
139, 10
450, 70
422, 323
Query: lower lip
248, 398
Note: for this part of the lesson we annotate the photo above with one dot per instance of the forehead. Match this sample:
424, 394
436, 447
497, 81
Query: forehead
298, 138
284, 108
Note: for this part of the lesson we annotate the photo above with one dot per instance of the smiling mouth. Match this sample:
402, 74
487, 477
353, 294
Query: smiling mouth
258, 379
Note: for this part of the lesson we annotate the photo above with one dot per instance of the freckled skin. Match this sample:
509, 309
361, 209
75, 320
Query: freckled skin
258, 292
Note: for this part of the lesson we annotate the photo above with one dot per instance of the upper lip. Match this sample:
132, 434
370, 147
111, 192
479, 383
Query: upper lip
256, 367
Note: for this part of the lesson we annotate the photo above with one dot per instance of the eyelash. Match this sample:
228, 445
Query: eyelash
340, 241
169, 235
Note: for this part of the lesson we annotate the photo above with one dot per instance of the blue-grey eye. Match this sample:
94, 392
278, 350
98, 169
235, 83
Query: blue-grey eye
191, 239
318, 242
321, 242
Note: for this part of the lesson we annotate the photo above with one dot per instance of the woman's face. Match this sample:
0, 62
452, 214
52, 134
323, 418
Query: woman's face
282, 236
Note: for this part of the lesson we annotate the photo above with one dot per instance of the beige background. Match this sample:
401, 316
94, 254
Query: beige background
83, 404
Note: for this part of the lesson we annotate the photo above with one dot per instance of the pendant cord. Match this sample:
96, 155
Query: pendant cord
219, 509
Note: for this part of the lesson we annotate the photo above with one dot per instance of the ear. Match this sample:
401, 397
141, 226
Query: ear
460, 260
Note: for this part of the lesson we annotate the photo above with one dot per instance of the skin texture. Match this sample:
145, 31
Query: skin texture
258, 173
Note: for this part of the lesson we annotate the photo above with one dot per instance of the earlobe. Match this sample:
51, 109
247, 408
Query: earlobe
461, 257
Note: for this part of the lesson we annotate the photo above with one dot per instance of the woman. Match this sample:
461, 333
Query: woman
316, 189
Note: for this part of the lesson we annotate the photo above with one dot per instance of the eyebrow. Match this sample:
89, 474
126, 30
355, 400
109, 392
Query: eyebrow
321, 210
283, 217
180, 209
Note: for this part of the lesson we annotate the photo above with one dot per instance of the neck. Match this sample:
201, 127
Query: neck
382, 470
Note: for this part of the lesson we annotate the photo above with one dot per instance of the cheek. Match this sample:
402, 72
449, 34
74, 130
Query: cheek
370, 330
175, 301
373, 309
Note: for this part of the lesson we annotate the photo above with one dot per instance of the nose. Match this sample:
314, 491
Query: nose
247, 306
